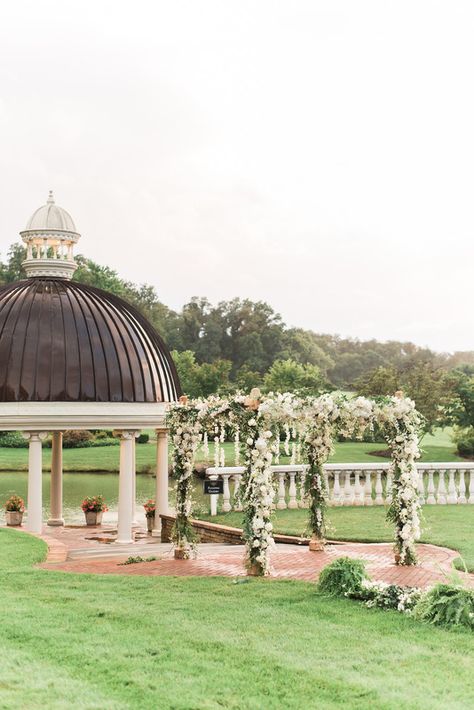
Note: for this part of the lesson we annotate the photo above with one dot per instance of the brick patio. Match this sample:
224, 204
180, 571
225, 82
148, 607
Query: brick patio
84, 550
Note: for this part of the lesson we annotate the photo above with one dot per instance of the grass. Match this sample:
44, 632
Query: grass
81, 641
106, 458
449, 526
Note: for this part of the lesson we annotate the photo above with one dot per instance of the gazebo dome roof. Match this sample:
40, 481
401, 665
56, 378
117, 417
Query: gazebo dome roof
51, 217
63, 341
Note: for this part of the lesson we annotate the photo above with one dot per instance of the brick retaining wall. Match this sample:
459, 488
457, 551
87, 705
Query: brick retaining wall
213, 532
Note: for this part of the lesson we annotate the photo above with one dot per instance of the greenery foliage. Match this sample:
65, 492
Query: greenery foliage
343, 577
447, 605
13, 440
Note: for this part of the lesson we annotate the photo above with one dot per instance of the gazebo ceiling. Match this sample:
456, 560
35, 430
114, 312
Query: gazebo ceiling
64, 341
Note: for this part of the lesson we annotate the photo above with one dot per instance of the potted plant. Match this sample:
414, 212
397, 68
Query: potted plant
14, 509
150, 508
93, 507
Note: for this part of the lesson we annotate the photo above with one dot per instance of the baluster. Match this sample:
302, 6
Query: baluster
471, 487
431, 500
293, 503
358, 497
462, 487
303, 502
378, 488
452, 493
336, 491
441, 497
388, 489
237, 480
347, 488
368, 489
226, 506
281, 505
326, 484
421, 487
214, 497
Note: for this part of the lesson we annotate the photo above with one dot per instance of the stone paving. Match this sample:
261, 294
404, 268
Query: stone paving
83, 550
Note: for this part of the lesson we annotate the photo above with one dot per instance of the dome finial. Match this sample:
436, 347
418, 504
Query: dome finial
50, 198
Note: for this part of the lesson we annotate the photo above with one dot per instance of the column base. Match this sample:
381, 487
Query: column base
124, 542
156, 532
55, 522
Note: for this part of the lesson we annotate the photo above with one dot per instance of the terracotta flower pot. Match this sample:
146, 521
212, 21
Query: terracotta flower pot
181, 553
316, 544
13, 517
255, 570
93, 518
150, 522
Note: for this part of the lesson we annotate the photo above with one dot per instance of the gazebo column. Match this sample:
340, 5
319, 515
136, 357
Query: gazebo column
134, 481
161, 490
127, 469
35, 491
56, 494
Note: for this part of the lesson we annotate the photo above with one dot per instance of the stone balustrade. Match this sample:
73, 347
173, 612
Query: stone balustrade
353, 484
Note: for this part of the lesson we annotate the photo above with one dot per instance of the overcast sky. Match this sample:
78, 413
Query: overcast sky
317, 155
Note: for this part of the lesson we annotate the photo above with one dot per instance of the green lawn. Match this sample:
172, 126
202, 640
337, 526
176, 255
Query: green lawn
450, 526
106, 458
129, 642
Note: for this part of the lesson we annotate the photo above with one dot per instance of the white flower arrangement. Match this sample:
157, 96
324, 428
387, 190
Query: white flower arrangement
310, 426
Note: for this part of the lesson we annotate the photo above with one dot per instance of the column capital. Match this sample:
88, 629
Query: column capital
161, 433
34, 435
127, 433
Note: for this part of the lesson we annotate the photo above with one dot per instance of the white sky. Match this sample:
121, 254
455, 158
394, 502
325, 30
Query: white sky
317, 155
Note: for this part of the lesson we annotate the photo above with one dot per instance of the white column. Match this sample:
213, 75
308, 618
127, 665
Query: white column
134, 481
35, 492
421, 487
213, 498
56, 488
161, 491
127, 465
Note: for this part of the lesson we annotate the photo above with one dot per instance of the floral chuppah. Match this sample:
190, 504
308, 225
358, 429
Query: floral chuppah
311, 425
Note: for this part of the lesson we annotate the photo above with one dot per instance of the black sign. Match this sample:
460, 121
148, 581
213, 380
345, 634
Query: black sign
213, 487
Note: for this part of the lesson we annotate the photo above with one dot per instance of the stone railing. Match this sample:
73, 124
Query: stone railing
353, 484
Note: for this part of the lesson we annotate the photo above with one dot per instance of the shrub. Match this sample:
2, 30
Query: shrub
76, 438
447, 605
12, 440
343, 577
15, 504
143, 439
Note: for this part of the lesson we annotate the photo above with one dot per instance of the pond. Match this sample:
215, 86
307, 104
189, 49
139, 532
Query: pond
78, 485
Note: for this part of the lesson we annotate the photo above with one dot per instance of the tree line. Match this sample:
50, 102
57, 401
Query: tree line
240, 344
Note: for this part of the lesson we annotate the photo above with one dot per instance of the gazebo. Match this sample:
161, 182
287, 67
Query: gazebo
76, 357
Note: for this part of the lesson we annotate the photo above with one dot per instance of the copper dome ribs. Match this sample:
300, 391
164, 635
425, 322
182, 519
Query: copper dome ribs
64, 341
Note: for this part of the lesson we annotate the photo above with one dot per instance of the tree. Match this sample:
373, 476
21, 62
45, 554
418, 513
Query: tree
461, 410
291, 376
201, 380
432, 388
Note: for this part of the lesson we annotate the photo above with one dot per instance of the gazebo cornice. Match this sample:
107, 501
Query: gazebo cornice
62, 416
